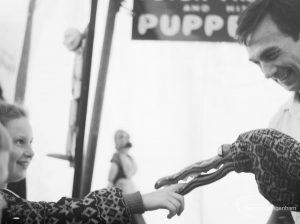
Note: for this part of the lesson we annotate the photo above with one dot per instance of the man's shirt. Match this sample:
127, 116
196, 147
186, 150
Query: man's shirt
287, 120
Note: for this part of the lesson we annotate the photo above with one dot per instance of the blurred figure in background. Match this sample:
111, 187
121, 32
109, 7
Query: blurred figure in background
123, 168
75, 41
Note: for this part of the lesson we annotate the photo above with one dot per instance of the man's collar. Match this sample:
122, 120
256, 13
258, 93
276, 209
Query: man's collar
293, 105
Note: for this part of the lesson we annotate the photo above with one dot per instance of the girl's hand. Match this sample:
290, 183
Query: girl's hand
166, 198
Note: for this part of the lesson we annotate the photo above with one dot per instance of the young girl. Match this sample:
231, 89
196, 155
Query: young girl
102, 206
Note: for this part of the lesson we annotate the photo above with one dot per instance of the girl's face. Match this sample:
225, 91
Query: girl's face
21, 153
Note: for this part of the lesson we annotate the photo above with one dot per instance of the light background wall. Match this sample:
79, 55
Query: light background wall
179, 101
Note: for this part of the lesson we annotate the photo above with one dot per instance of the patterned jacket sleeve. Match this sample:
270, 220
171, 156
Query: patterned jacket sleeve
106, 206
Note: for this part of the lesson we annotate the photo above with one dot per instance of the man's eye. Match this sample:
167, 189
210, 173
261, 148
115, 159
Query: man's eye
271, 54
271, 57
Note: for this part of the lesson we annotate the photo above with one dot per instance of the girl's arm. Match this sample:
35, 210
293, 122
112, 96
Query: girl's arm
104, 206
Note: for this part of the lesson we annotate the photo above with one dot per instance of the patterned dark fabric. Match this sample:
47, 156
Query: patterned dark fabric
274, 158
105, 206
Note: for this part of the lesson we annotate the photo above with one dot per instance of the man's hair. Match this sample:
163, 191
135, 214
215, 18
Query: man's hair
284, 13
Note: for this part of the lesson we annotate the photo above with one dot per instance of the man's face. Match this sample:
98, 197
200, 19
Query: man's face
277, 54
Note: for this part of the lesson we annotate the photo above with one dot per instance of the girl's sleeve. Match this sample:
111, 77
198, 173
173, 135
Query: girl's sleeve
106, 206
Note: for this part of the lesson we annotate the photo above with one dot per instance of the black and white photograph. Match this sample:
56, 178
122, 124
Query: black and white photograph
149, 111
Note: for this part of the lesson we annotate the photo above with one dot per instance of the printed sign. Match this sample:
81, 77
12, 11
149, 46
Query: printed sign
187, 20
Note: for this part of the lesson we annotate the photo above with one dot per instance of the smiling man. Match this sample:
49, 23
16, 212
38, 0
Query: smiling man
270, 30
276, 53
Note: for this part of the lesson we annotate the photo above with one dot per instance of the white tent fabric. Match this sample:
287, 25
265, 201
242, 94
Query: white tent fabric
179, 101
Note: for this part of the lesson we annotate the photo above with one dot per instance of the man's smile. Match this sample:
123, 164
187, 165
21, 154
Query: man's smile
286, 76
